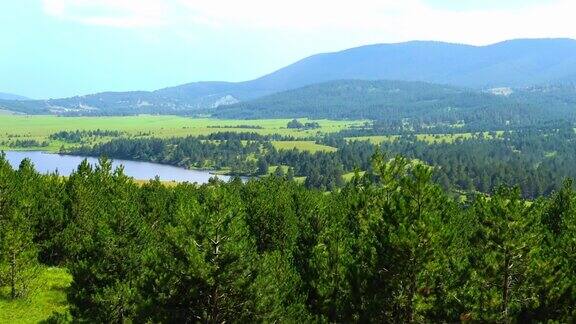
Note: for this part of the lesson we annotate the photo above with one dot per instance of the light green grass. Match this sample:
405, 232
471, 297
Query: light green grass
376, 140
300, 180
39, 128
451, 138
164, 183
272, 169
428, 138
49, 296
309, 146
550, 154
349, 176
162, 126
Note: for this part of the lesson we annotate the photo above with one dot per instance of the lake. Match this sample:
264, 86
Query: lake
66, 164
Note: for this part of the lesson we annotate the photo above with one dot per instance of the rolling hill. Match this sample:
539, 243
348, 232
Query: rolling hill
515, 63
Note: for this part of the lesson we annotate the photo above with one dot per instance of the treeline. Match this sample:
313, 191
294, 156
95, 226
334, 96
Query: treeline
536, 159
246, 154
80, 135
24, 143
214, 152
296, 124
391, 246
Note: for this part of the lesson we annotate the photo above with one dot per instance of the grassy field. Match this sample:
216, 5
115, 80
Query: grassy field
310, 146
428, 138
48, 296
375, 139
39, 128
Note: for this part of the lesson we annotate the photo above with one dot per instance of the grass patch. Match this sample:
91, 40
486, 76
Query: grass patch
48, 297
429, 138
309, 146
451, 138
550, 154
349, 176
272, 169
164, 183
376, 140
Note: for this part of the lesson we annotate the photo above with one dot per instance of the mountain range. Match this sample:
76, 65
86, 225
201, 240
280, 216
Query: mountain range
510, 64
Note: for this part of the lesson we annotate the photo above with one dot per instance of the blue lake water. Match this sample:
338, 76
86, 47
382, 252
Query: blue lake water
66, 164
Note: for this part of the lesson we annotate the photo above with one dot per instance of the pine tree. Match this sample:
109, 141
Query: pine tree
262, 166
504, 241
203, 269
18, 254
559, 257
106, 261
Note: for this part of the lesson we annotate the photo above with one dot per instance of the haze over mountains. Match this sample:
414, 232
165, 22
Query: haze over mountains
514, 64
10, 96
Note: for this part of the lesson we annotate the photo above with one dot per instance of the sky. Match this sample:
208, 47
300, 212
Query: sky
61, 48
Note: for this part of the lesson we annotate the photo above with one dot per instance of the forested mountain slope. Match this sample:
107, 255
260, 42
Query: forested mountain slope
398, 101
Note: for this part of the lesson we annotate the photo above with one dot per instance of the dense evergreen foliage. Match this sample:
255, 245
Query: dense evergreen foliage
296, 124
217, 151
24, 143
536, 159
79, 136
245, 154
390, 246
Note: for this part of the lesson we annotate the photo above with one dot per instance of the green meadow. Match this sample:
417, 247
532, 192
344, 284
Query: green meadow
39, 128
430, 138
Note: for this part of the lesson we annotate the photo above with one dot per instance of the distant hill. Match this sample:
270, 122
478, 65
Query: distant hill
515, 63
397, 101
9, 96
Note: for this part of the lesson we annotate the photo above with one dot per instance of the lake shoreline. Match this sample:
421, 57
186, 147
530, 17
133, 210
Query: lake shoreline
65, 164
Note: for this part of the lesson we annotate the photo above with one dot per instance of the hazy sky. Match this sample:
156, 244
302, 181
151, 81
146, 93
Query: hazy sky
56, 48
